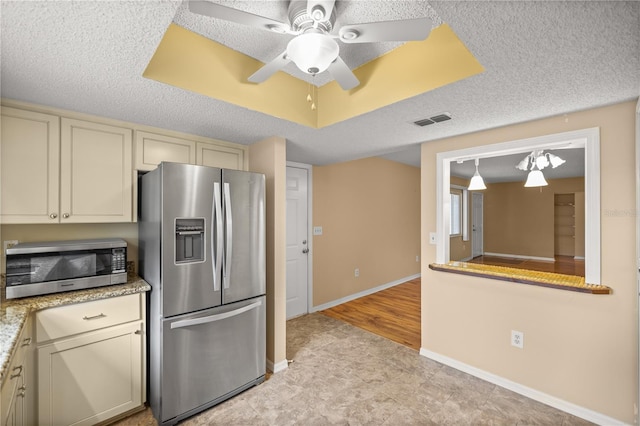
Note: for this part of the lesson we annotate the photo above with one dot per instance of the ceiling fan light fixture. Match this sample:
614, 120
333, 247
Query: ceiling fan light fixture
313, 52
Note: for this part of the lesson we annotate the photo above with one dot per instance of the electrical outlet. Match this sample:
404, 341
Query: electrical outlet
517, 339
10, 243
356, 273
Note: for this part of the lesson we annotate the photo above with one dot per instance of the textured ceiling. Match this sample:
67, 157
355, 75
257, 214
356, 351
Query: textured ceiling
541, 59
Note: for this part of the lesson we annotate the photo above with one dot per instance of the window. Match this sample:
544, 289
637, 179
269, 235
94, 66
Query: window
455, 228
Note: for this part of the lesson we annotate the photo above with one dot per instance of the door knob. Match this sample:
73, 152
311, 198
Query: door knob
305, 251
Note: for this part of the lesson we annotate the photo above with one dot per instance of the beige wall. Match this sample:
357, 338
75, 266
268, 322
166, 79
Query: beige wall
580, 348
370, 214
520, 221
269, 157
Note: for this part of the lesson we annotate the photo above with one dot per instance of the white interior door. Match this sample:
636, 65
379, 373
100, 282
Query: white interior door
476, 225
297, 241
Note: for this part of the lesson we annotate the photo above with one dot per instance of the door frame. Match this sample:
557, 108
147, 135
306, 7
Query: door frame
638, 243
309, 169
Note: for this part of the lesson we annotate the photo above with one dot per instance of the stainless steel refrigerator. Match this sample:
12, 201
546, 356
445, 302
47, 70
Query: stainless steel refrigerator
202, 250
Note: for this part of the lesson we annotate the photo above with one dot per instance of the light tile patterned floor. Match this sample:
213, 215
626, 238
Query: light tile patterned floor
342, 375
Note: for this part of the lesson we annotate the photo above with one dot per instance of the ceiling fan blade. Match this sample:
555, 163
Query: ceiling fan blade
323, 9
270, 68
218, 11
405, 30
342, 74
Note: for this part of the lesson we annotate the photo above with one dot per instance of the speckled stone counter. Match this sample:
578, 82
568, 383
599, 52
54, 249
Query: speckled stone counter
14, 312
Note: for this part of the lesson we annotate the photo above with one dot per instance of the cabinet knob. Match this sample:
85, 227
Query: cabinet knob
65, 215
53, 215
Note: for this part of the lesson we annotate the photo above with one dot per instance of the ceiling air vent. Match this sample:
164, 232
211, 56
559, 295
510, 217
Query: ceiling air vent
424, 122
432, 120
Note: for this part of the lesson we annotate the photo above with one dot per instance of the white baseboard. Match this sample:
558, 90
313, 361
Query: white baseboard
277, 367
519, 256
578, 257
542, 397
361, 294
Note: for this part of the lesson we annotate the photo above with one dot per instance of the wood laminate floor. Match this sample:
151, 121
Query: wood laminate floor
393, 313
562, 265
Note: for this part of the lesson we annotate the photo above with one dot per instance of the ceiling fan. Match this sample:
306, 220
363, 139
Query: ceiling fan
314, 48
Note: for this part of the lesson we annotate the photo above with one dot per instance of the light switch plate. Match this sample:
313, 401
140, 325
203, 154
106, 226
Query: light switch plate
432, 238
317, 230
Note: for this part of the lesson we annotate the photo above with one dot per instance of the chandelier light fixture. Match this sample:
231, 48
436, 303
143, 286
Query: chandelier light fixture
535, 162
477, 183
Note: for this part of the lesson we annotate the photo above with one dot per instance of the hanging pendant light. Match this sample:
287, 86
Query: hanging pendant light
477, 183
535, 178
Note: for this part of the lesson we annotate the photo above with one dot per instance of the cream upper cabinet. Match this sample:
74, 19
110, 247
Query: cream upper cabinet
62, 170
225, 157
30, 155
152, 149
95, 172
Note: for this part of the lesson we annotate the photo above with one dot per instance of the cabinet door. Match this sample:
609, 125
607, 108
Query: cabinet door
224, 157
152, 149
95, 172
30, 145
18, 390
13, 402
92, 377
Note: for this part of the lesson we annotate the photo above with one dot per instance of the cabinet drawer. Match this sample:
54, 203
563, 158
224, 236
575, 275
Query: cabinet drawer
73, 319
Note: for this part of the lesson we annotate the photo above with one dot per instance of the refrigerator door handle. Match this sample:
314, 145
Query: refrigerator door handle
216, 317
216, 243
228, 234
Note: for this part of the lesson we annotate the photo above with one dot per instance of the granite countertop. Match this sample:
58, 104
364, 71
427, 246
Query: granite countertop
14, 312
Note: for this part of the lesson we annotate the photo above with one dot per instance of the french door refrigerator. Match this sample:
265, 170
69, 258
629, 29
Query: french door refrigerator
202, 250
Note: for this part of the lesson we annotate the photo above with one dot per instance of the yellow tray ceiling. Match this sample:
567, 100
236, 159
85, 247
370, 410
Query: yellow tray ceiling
192, 62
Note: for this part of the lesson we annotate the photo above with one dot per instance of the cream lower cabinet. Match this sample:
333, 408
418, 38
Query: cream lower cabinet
62, 170
17, 406
87, 377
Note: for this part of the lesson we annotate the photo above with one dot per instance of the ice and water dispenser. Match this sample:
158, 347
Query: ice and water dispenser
189, 240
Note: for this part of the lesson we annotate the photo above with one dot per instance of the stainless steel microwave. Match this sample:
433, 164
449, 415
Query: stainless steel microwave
57, 266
